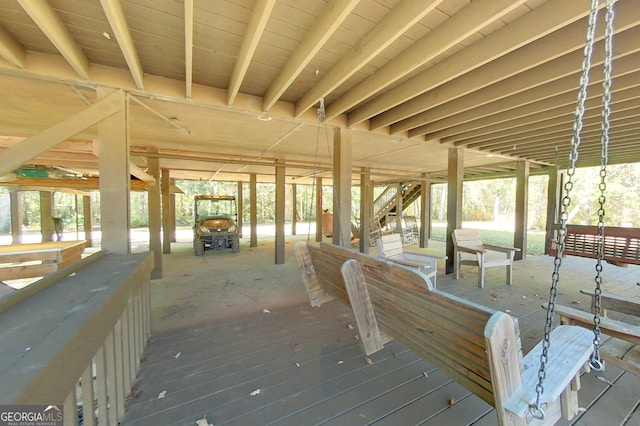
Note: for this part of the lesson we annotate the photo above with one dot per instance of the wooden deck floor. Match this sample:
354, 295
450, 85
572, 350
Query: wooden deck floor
299, 365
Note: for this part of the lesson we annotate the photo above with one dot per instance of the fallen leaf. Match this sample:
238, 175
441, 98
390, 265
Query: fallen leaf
340, 362
604, 379
255, 392
366, 358
177, 355
297, 364
162, 394
266, 311
575, 302
203, 422
452, 401
507, 310
350, 327
425, 374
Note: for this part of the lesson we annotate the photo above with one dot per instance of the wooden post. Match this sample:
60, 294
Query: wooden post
553, 201
167, 225
366, 209
253, 206
153, 199
115, 180
342, 187
88, 222
399, 208
240, 204
280, 211
16, 216
46, 217
454, 200
521, 210
425, 212
294, 208
172, 208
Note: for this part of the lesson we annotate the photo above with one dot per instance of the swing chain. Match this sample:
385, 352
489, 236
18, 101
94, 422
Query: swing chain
596, 362
535, 409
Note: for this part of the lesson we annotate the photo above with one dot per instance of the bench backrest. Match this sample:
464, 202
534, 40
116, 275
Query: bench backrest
444, 329
390, 245
467, 238
621, 245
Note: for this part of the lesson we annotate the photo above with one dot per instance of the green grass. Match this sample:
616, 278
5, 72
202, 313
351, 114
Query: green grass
535, 240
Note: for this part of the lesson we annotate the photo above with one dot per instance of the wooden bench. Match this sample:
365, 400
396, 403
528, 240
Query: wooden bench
390, 247
467, 242
474, 345
621, 245
621, 341
39, 259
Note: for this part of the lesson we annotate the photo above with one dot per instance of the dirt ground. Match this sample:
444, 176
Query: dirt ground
221, 284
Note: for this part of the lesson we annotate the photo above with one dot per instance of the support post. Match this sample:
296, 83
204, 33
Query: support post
172, 208
425, 212
88, 222
553, 201
46, 216
521, 210
342, 187
399, 208
153, 197
115, 180
16, 216
253, 201
240, 203
166, 209
366, 208
280, 211
294, 208
454, 200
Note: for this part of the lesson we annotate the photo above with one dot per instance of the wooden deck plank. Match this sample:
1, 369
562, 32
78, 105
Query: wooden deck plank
241, 354
380, 406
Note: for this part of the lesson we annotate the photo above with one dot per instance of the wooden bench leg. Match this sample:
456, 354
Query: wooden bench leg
370, 336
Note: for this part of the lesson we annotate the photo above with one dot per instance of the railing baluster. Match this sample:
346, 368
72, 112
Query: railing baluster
88, 414
101, 386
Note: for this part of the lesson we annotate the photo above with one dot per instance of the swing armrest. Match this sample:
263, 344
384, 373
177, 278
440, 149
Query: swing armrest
570, 349
610, 327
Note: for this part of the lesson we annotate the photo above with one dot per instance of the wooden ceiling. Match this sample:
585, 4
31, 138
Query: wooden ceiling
224, 88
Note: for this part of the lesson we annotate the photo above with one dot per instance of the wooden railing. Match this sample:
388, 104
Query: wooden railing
78, 343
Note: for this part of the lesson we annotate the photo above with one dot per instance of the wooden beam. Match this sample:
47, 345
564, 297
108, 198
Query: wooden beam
342, 162
395, 24
334, 13
188, 46
19, 154
52, 26
471, 19
454, 202
115, 16
155, 213
532, 26
261, 13
11, 49
141, 174
539, 51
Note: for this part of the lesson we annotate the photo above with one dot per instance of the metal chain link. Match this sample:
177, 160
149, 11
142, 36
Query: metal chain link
596, 362
535, 409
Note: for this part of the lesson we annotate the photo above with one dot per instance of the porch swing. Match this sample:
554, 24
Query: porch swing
478, 347
619, 246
